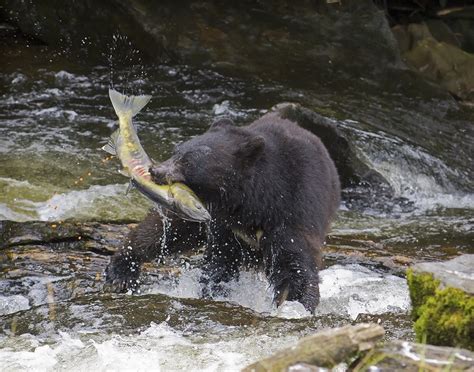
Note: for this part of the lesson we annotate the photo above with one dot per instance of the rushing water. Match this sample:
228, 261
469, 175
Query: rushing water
55, 116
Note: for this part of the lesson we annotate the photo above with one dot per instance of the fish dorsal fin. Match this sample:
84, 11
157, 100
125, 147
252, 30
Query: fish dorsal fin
110, 146
123, 104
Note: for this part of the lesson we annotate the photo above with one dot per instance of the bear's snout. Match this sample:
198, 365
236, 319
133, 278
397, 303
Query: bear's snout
166, 173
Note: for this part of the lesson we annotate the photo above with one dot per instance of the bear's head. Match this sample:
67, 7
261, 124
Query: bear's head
214, 163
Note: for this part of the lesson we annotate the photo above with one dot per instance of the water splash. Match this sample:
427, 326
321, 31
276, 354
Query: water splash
345, 291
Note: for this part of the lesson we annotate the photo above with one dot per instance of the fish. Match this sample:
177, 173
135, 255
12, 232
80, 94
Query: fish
125, 144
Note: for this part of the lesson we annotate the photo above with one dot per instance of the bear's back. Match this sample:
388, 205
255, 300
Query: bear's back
302, 161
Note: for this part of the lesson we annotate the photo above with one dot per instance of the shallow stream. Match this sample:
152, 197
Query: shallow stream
54, 117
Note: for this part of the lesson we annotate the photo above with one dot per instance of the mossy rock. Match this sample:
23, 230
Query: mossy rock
443, 309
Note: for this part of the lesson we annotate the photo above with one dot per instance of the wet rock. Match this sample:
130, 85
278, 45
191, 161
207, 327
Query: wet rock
407, 356
323, 349
362, 185
60, 260
442, 32
276, 39
442, 295
403, 37
433, 50
446, 64
461, 21
100, 237
464, 29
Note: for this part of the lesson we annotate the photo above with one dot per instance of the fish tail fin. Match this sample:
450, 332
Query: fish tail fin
123, 104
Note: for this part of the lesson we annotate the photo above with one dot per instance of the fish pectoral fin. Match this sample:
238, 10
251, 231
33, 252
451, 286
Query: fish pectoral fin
124, 172
109, 148
130, 187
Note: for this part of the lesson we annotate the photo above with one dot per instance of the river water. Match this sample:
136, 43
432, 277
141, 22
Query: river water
54, 117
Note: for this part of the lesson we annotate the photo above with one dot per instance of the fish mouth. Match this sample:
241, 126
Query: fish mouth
199, 214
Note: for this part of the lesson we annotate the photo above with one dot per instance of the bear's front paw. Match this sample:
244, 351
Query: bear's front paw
307, 295
121, 276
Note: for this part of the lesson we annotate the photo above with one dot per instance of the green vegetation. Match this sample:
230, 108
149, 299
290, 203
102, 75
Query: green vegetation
443, 316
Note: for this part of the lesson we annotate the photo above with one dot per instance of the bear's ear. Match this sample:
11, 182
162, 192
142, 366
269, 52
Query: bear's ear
222, 123
251, 150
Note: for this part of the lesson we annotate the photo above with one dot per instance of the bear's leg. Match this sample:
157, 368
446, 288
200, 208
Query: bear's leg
223, 258
291, 264
149, 240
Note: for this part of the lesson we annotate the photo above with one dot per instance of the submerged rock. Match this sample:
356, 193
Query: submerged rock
442, 295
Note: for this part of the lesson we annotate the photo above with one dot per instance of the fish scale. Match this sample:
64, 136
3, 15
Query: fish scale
124, 142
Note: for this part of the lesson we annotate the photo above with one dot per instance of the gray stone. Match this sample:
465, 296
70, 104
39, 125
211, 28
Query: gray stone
408, 356
324, 349
456, 273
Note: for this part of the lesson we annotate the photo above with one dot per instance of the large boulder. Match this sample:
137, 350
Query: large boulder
275, 38
363, 186
434, 51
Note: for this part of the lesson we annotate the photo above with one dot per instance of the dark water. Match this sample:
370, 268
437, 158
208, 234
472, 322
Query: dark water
54, 117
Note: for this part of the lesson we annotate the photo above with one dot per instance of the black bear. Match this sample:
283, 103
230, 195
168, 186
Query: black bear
272, 190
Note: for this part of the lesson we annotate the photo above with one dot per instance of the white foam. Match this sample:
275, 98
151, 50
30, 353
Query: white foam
413, 173
352, 290
62, 77
97, 201
158, 348
78, 203
6, 213
345, 290
57, 112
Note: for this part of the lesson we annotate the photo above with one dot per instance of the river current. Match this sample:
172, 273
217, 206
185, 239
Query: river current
54, 118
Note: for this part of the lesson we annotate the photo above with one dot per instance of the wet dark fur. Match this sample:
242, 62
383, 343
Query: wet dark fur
271, 183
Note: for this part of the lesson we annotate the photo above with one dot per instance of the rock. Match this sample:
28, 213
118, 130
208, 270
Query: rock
446, 64
359, 181
457, 273
407, 356
442, 295
464, 29
270, 38
433, 50
418, 32
442, 33
102, 238
350, 166
323, 349
461, 21
403, 37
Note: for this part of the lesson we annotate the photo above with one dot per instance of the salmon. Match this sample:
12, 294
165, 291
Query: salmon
125, 144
